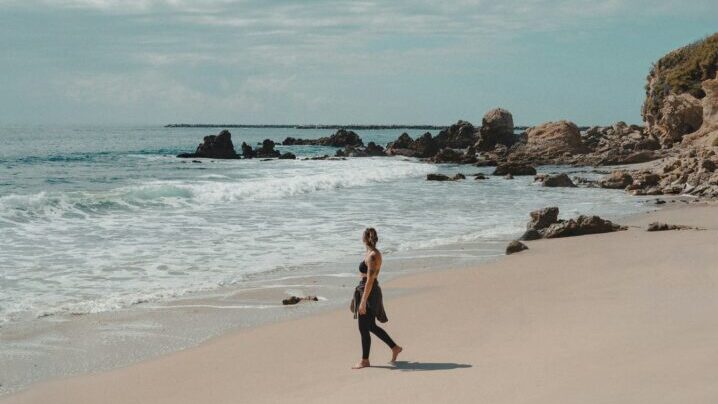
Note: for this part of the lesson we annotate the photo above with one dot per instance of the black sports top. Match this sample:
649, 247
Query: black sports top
362, 267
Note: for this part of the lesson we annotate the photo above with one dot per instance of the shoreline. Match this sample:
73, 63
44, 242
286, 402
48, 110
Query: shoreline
103, 341
72, 345
410, 286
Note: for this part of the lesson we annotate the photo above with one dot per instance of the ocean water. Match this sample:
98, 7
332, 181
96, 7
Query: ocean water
95, 219
107, 222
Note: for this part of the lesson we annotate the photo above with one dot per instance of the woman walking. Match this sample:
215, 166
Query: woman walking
368, 305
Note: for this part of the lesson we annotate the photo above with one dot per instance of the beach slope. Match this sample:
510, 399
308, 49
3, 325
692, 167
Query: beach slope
624, 317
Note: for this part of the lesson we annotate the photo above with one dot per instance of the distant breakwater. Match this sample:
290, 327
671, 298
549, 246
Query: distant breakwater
313, 126
318, 126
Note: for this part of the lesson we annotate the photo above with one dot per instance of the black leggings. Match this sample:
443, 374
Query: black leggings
367, 323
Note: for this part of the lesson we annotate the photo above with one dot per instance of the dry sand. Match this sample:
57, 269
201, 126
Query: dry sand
629, 317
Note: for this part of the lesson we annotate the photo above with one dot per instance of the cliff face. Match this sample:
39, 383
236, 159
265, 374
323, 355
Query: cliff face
674, 90
707, 135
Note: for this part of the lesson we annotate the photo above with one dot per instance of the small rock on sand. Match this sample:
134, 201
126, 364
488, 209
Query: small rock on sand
515, 246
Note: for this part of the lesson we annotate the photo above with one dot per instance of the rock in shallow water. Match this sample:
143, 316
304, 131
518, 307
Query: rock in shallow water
543, 218
514, 169
214, 146
559, 180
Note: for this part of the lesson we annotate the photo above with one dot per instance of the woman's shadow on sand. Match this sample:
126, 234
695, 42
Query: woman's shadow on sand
423, 366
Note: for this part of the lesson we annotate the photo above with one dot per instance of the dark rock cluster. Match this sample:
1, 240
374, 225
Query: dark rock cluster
341, 138
546, 224
214, 146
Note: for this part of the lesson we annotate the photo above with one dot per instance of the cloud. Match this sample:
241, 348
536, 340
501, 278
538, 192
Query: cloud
265, 57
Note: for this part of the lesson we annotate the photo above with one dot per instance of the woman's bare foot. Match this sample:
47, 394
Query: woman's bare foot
364, 363
395, 352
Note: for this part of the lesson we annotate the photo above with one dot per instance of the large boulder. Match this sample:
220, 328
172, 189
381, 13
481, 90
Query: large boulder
553, 140
214, 146
460, 135
679, 72
497, 127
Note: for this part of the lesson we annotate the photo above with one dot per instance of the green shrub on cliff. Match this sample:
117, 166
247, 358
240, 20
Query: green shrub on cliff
682, 71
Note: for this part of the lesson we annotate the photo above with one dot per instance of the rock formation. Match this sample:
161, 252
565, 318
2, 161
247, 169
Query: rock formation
580, 226
497, 127
341, 138
558, 180
447, 155
423, 147
679, 72
692, 172
707, 134
214, 146
550, 141
460, 135
545, 224
247, 151
680, 115
616, 180
266, 150
371, 150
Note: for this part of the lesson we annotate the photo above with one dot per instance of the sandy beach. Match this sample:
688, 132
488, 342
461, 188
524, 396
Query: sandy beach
612, 318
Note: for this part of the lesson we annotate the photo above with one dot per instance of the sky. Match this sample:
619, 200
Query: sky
333, 61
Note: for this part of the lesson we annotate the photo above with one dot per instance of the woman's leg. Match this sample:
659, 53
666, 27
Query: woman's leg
379, 332
365, 325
